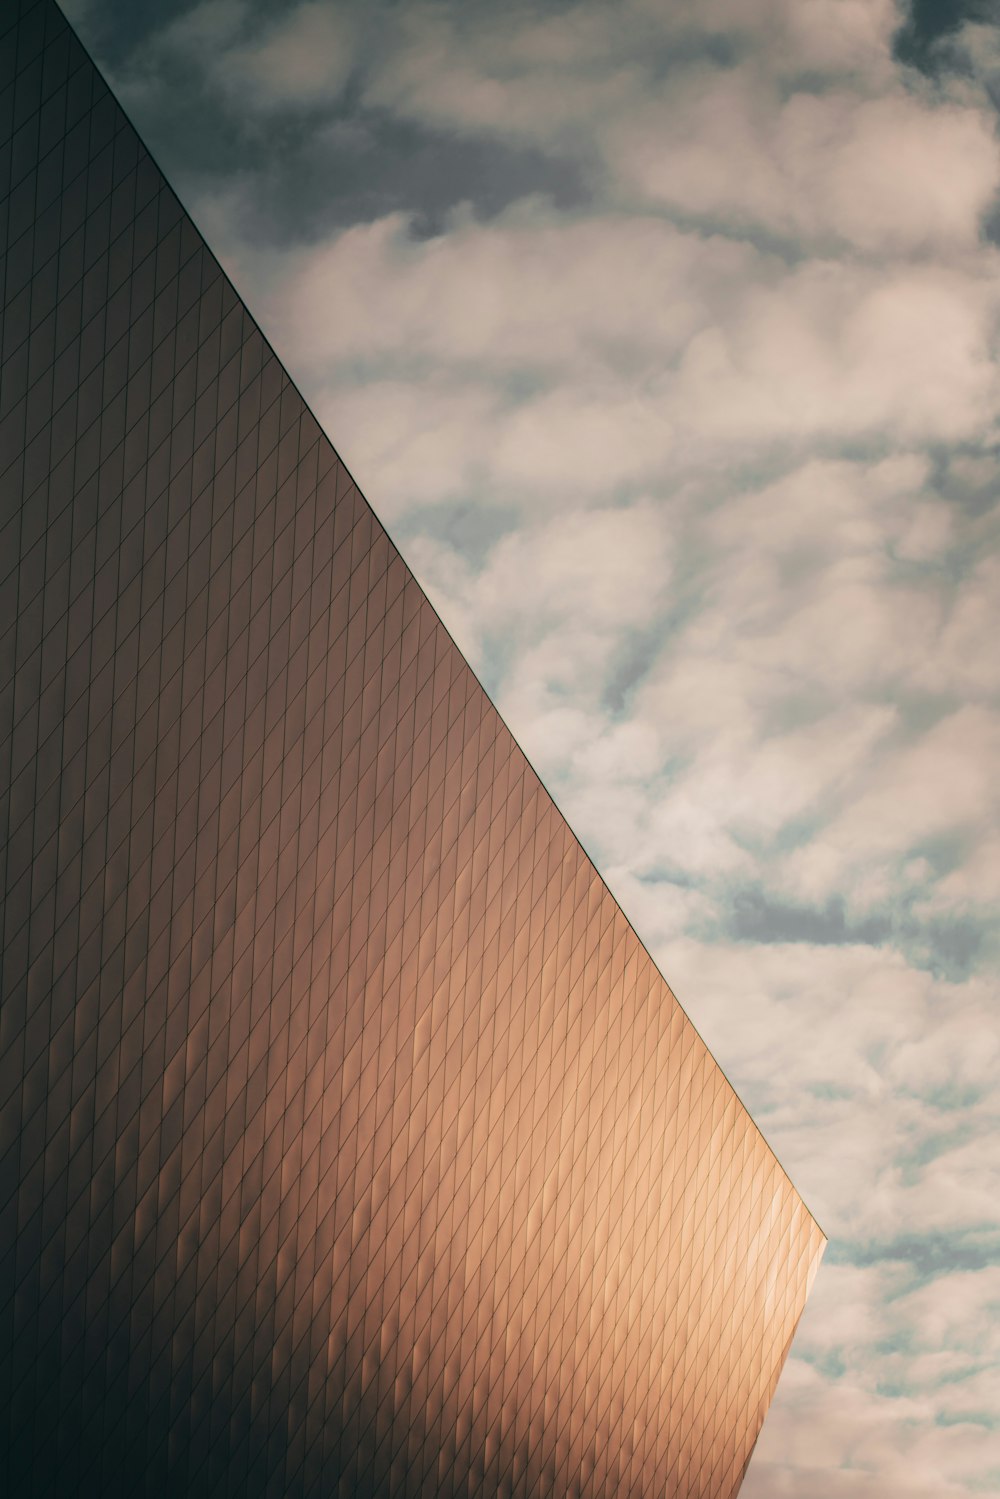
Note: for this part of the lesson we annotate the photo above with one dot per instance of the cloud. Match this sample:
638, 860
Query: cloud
697, 458
553, 76
533, 290
305, 58
546, 613
834, 1439
937, 35
709, 353
940, 784
833, 350
883, 175
302, 59
899, 1419
961, 660
975, 881
757, 918
926, 1256
736, 145
871, 1079
205, 29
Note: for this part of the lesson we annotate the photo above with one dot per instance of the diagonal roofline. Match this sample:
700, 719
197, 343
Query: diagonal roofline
321, 427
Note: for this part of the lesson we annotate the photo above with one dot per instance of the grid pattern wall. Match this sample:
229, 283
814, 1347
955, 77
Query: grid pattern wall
350, 1142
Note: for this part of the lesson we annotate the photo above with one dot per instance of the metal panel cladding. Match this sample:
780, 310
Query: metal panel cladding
351, 1141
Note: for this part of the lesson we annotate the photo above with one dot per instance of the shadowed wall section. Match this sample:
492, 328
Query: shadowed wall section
350, 1139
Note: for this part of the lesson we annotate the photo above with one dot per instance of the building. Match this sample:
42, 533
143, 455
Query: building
351, 1141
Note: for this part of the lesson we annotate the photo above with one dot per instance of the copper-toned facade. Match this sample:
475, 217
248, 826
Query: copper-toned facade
350, 1141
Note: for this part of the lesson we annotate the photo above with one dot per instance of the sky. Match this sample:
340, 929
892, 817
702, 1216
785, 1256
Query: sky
664, 337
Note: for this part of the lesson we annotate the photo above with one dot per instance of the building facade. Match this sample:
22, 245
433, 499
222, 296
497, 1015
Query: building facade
350, 1141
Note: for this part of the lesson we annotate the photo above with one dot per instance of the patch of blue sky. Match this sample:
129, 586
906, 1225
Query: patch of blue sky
928, 1255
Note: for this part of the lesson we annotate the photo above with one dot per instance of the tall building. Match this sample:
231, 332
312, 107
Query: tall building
350, 1141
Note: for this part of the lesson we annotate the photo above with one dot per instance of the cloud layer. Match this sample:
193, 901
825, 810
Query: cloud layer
665, 340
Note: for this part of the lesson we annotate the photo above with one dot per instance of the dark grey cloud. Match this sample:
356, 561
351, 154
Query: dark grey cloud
121, 31
929, 1255
947, 947
950, 949
756, 917
308, 169
637, 657
639, 653
929, 23
366, 165
113, 29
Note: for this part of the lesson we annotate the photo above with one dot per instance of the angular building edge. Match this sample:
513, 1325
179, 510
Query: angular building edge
501, 1234
444, 627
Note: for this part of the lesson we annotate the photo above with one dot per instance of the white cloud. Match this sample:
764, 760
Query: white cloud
831, 1439
742, 616
426, 442
500, 74
609, 355
962, 659
836, 350
940, 784
870, 163
889, 174
557, 600
605, 566
870, 1079
530, 290
553, 79
868, 1437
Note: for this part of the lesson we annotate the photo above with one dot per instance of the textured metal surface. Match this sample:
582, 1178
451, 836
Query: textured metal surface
351, 1142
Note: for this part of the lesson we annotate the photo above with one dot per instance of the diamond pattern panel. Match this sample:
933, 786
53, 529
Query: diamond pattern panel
350, 1142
